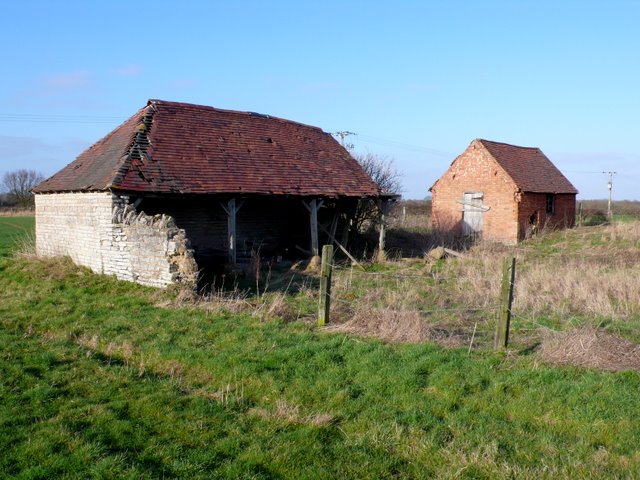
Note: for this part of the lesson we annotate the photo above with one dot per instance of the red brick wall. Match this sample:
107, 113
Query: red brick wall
476, 171
533, 206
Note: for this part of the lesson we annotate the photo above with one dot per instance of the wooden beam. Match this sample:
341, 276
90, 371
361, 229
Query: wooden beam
334, 226
314, 227
312, 207
303, 250
324, 304
454, 253
332, 238
232, 209
383, 206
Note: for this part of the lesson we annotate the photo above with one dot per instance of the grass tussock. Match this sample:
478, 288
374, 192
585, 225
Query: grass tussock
289, 414
404, 326
591, 348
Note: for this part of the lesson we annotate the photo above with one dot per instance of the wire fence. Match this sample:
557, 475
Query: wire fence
407, 306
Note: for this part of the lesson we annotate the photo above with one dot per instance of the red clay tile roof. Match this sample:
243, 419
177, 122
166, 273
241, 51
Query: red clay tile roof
529, 168
170, 147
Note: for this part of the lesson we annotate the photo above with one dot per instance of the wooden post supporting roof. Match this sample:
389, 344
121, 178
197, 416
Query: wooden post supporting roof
313, 206
383, 206
232, 209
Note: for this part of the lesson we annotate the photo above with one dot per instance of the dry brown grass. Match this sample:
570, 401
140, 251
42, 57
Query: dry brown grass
274, 306
601, 280
217, 301
290, 414
601, 287
405, 326
25, 246
17, 212
591, 348
591, 274
389, 325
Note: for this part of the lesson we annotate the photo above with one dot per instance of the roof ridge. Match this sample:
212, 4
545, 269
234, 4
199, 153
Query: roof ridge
155, 101
482, 140
528, 167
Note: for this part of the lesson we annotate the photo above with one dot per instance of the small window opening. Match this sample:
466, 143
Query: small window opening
551, 203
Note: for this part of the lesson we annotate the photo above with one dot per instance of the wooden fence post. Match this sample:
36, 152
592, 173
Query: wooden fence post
506, 299
324, 304
580, 214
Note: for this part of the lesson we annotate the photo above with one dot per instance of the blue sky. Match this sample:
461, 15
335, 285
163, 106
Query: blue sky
416, 80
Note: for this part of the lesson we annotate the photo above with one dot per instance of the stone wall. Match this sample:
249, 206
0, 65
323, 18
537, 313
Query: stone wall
77, 225
105, 233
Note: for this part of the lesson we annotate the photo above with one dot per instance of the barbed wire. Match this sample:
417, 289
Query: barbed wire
431, 275
354, 303
379, 274
532, 322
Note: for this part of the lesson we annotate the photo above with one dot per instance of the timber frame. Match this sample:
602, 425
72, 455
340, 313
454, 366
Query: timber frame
224, 228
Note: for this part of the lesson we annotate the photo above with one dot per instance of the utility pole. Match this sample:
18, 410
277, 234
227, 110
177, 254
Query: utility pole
343, 134
610, 187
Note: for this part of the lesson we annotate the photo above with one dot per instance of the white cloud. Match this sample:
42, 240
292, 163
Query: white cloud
65, 81
131, 70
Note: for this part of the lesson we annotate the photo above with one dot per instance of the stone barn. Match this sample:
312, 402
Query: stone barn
502, 193
181, 188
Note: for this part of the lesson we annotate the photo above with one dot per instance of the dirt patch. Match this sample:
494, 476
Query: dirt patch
591, 348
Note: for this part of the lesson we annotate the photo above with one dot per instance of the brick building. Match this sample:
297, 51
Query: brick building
179, 188
502, 193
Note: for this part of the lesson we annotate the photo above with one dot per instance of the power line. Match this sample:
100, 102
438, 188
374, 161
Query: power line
406, 146
57, 118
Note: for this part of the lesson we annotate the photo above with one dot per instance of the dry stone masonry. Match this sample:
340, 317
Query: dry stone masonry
104, 232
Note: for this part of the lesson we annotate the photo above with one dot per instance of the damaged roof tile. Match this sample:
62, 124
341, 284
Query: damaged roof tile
183, 148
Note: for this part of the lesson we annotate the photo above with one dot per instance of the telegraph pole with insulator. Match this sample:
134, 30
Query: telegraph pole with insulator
610, 187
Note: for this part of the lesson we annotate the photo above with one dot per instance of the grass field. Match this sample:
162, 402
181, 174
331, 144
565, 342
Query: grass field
13, 232
106, 379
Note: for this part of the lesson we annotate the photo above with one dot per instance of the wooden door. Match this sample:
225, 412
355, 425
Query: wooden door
472, 213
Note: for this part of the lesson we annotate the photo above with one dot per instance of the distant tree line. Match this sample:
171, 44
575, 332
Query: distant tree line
16, 187
594, 212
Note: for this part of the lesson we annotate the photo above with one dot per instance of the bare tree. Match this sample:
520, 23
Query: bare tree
383, 172
18, 185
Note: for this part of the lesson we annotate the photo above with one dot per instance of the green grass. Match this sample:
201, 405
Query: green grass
97, 380
13, 230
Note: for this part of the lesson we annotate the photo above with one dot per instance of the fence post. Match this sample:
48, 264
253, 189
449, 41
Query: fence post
324, 304
580, 214
506, 299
